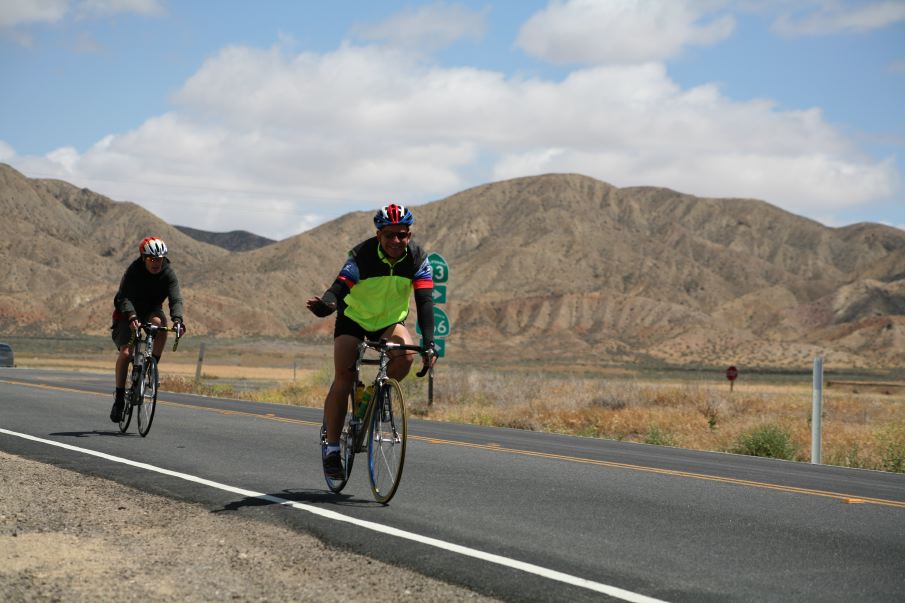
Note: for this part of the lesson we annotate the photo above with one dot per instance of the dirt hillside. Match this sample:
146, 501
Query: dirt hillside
582, 267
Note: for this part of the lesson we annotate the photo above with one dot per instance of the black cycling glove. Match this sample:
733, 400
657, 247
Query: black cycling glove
326, 305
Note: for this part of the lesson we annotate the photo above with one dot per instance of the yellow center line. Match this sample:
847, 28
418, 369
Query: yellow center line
495, 447
255, 415
53, 387
848, 498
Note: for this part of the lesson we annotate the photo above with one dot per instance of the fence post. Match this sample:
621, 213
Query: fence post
816, 410
198, 366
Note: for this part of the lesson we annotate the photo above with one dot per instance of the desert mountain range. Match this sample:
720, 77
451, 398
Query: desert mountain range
234, 240
556, 266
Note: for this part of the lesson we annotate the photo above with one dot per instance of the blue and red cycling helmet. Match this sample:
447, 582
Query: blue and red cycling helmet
393, 214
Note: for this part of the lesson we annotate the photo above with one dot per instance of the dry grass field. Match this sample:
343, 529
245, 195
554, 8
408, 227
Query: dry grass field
863, 429
863, 420
863, 426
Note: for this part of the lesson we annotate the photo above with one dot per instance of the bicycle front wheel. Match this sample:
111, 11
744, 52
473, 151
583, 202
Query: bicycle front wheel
386, 441
148, 402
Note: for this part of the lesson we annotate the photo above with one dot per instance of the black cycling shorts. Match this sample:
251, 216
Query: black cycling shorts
122, 332
347, 326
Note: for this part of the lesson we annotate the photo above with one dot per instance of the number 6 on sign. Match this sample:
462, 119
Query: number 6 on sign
441, 324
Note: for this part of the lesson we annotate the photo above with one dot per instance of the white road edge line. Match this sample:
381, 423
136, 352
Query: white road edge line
530, 568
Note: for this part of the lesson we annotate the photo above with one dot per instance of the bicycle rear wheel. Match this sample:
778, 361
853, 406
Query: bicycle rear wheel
131, 394
148, 401
386, 441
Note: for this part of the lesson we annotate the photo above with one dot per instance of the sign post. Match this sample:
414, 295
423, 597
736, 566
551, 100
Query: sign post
732, 375
200, 361
817, 410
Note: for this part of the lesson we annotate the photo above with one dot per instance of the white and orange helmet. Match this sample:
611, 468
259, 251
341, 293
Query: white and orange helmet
152, 246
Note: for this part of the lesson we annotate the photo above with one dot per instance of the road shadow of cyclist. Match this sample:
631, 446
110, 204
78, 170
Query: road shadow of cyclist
300, 496
87, 434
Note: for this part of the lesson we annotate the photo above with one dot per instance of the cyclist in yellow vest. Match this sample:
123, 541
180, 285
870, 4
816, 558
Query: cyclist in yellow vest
371, 297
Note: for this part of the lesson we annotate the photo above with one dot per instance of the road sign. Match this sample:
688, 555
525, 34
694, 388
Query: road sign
439, 294
439, 267
441, 324
732, 373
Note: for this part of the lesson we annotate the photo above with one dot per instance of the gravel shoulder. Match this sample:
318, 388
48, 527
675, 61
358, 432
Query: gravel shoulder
66, 537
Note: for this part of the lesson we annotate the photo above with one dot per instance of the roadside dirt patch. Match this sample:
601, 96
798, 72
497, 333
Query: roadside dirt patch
68, 537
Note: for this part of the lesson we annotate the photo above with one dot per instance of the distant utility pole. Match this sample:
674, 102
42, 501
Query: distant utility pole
200, 361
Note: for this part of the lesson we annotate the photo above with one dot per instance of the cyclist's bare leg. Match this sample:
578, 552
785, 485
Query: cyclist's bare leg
345, 350
401, 361
160, 339
122, 365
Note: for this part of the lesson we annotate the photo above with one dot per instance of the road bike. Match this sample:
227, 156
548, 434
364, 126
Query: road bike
143, 381
378, 425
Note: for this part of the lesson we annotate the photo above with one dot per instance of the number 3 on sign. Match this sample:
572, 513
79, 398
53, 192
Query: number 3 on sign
439, 268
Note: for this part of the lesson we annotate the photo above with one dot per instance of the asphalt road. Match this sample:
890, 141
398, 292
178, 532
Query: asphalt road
518, 515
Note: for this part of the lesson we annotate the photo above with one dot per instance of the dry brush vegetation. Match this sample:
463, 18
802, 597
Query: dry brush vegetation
862, 429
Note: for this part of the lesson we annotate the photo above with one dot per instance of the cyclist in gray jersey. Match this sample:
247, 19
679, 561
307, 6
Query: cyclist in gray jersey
147, 282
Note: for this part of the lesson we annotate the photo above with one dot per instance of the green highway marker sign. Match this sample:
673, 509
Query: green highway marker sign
439, 267
441, 324
440, 273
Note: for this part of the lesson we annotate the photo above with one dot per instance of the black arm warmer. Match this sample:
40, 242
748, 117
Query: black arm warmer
424, 304
336, 292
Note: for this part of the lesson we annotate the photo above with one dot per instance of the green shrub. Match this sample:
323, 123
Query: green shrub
767, 440
659, 437
893, 442
850, 457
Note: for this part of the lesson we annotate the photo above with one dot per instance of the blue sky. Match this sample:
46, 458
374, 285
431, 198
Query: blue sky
274, 117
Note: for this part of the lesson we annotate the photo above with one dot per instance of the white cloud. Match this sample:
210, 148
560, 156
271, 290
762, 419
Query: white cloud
106, 8
429, 27
273, 142
21, 12
15, 13
831, 16
7, 152
620, 31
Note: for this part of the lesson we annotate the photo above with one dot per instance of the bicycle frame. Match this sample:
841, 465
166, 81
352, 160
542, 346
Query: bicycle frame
382, 362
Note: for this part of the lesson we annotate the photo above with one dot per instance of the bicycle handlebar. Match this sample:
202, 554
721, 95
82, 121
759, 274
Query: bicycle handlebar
149, 328
383, 344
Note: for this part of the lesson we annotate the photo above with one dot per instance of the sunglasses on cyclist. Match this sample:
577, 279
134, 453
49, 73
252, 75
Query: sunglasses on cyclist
402, 236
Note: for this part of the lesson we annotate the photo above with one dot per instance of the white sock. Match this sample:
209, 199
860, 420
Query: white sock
332, 448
